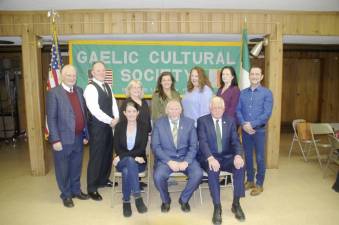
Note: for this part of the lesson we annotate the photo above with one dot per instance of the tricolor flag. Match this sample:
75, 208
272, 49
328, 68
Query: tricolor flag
244, 81
54, 67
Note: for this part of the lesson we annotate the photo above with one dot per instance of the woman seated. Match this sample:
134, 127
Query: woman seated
130, 140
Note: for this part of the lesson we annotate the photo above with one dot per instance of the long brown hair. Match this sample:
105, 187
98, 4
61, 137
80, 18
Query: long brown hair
203, 79
159, 89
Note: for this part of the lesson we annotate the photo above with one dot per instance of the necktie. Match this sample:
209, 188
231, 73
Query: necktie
218, 133
175, 132
71, 90
104, 87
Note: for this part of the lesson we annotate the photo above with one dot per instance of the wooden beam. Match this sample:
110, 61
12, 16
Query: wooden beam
31, 58
273, 70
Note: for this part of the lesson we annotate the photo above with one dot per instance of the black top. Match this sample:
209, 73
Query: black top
105, 104
144, 114
120, 140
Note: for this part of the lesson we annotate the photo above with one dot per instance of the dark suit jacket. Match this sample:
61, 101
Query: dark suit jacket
120, 140
208, 140
163, 145
61, 117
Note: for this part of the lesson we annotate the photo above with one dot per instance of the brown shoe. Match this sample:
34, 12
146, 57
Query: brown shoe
257, 190
249, 185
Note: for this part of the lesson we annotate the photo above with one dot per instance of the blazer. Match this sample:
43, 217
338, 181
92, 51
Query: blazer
61, 117
208, 140
163, 144
120, 140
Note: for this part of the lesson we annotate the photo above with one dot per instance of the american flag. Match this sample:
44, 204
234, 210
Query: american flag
54, 68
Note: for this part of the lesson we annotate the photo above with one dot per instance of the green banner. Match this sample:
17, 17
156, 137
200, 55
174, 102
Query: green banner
145, 60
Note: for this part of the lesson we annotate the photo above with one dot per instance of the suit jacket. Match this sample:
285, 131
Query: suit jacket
61, 117
120, 140
163, 144
208, 140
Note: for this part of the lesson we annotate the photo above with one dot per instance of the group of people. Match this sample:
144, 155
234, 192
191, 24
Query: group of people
192, 134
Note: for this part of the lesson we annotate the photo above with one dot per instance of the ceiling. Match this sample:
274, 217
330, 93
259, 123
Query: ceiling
291, 5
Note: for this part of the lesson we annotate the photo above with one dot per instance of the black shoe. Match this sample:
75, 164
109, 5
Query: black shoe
68, 202
222, 182
184, 206
238, 213
165, 207
140, 205
142, 184
126, 209
216, 219
95, 196
81, 196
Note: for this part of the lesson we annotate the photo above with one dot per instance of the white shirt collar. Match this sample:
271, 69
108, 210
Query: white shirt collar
100, 83
68, 89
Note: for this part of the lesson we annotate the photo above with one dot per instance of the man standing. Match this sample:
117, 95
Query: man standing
66, 119
220, 150
253, 111
103, 116
174, 143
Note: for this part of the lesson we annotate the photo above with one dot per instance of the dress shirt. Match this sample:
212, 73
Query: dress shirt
255, 106
172, 125
91, 97
68, 89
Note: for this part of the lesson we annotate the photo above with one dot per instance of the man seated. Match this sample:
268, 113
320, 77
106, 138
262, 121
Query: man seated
220, 150
174, 143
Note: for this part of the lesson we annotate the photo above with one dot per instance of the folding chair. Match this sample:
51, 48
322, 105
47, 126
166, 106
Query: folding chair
318, 129
333, 156
144, 175
297, 139
222, 175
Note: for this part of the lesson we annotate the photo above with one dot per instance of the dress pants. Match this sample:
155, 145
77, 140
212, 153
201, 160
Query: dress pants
68, 164
100, 156
226, 164
130, 170
162, 173
250, 142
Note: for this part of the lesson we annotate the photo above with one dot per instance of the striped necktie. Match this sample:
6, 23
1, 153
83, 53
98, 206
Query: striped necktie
218, 133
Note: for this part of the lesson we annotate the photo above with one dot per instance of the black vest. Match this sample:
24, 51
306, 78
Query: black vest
105, 104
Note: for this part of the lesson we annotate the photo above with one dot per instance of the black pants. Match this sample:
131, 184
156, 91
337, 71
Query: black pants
100, 156
336, 184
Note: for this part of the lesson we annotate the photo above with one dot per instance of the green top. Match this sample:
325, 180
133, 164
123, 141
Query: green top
158, 104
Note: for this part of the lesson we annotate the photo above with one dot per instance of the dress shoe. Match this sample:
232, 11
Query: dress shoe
81, 196
238, 213
95, 196
126, 209
249, 185
68, 202
165, 207
216, 219
142, 184
185, 207
140, 205
257, 190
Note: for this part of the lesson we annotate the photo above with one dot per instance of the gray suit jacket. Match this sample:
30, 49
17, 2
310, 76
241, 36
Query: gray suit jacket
61, 117
163, 145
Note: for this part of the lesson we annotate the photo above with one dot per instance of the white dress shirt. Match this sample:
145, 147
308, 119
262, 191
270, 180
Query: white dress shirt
91, 97
220, 124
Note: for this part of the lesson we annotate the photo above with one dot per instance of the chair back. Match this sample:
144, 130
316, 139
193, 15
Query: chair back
334, 141
294, 125
304, 131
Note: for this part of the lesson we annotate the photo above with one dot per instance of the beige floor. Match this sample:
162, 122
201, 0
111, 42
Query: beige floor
296, 193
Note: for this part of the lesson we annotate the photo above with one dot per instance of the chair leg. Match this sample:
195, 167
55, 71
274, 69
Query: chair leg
113, 191
200, 193
318, 155
302, 151
289, 153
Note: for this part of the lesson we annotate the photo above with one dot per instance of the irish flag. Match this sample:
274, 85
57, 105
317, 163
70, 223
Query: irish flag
244, 81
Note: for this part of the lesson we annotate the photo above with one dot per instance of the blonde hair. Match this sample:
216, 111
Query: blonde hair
130, 85
217, 101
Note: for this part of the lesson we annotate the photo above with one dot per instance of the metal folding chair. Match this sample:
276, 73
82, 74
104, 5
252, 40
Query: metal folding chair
333, 156
297, 139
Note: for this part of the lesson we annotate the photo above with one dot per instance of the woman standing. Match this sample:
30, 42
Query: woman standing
199, 93
135, 93
229, 90
130, 140
164, 92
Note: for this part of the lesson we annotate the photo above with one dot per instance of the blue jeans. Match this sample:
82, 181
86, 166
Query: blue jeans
130, 178
250, 142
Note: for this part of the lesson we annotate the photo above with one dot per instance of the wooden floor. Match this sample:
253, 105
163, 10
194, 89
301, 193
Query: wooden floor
295, 194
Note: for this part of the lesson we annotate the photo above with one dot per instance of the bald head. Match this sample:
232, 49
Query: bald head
217, 107
69, 75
